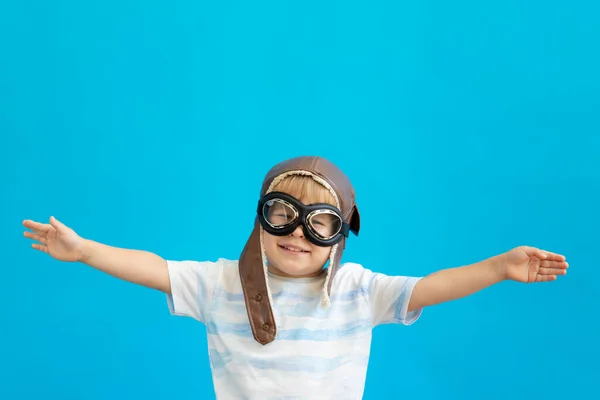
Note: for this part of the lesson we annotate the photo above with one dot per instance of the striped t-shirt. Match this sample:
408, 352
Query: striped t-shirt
318, 353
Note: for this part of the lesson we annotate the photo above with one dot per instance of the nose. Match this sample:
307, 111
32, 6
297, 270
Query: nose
298, 232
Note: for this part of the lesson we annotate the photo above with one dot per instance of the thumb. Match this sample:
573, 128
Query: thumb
533, 251
56, 223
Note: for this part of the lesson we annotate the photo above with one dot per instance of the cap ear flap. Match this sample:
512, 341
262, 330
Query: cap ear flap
355, 221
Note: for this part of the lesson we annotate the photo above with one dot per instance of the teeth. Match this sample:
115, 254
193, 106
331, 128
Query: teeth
289, 248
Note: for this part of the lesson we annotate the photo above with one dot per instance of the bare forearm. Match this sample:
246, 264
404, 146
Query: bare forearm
136, 266
454, 283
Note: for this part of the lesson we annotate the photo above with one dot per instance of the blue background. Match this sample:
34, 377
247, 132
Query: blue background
467, 128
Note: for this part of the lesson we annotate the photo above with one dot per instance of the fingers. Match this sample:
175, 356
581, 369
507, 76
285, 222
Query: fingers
554, 264
40, 247
545, 278
35, 236
552, 271
36, 226
553, 256
543, 254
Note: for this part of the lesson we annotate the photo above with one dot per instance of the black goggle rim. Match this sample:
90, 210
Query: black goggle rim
302, 213
308, 218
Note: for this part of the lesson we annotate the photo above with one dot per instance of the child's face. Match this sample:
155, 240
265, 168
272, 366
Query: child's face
307, 260
311, 259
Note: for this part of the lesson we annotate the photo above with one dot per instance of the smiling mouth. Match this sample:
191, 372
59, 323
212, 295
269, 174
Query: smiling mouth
293, 249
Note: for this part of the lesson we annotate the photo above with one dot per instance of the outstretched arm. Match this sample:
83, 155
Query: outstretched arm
522, 264
136, 266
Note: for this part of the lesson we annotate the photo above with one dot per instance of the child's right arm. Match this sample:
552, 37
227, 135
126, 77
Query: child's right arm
136, 266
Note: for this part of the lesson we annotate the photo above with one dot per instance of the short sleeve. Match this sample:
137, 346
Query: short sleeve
389, 297
192, 286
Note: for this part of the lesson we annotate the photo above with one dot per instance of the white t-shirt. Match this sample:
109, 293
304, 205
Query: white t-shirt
318, 353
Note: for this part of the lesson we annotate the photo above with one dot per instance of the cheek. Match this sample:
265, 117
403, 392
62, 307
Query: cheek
269, 242
321, 253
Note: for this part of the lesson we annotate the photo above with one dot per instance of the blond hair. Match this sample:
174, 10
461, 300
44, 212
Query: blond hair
305, 189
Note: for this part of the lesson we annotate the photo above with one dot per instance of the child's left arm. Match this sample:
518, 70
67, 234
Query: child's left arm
522, 264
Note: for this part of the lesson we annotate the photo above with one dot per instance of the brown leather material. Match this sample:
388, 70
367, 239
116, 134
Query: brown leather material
251, 268
254, 286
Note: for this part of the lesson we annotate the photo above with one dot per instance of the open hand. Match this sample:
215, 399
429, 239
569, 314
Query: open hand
529, 264
56, 239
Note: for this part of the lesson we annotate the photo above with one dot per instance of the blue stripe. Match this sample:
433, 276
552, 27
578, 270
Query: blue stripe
325, 334
281, 295
351, 295
341, 332
202, 298
292, 363
311, 309
403, 300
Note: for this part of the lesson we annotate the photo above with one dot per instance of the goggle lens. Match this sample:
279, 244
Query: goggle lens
279, 213
324, 223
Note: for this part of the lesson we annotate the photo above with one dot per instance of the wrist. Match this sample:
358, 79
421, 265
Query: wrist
85, 252
499, 266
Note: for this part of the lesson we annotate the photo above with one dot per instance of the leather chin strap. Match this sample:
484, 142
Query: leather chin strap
254, 286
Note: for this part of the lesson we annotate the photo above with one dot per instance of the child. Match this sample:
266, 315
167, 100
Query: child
287, 320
